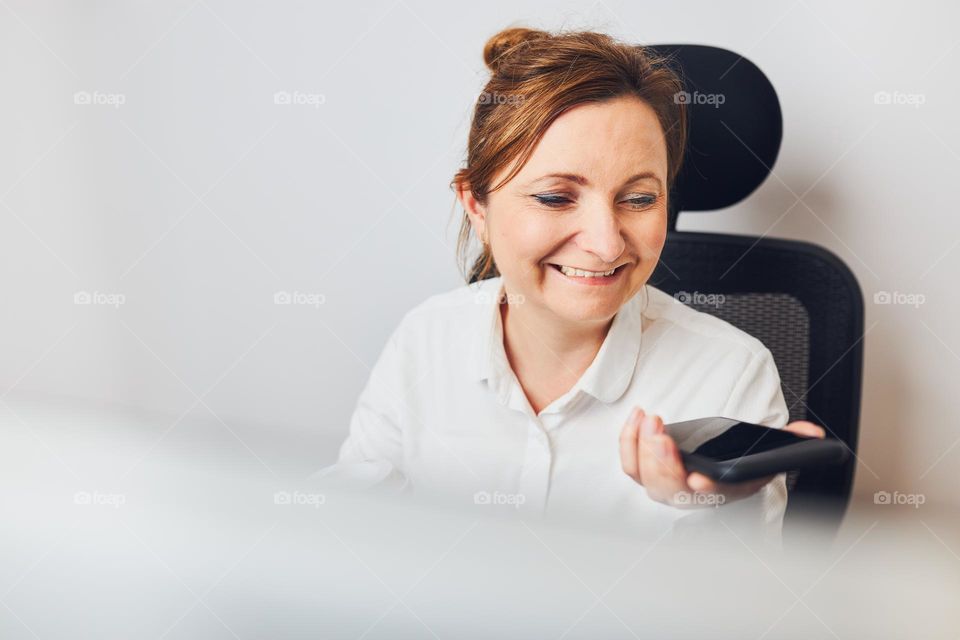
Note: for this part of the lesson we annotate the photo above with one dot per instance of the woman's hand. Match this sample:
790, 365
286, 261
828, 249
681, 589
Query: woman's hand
652, 458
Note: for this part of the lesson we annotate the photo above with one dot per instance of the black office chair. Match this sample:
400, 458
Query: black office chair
797, 298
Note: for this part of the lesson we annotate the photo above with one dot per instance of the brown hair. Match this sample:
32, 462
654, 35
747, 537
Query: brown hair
535, 77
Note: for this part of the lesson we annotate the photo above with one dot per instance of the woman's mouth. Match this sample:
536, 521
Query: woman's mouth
584, 276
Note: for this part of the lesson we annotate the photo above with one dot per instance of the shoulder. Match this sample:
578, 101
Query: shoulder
698, 329
735, 365
449, 310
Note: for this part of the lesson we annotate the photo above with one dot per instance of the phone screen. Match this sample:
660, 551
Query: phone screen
727, 439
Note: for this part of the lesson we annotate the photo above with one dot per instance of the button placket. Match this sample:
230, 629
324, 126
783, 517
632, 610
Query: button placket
534, 481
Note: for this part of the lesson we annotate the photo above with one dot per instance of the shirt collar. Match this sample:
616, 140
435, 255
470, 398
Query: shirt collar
607, 377
489, 358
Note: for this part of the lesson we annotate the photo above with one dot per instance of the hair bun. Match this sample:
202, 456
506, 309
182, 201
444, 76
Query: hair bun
501, 43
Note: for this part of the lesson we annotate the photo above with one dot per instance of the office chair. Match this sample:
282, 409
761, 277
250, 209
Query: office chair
797, 298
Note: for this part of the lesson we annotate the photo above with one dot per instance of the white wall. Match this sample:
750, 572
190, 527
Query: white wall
199, 197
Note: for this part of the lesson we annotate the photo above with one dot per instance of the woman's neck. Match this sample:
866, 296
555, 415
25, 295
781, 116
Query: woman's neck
548, 354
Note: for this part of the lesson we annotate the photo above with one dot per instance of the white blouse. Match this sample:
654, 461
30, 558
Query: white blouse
443, 414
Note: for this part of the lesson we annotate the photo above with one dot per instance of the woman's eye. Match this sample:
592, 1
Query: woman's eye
552, 200
640, 202
560, 200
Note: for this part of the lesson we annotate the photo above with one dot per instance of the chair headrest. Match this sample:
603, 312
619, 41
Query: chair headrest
735, 127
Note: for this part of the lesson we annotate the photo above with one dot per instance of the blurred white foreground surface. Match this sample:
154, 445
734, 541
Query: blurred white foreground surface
121, 525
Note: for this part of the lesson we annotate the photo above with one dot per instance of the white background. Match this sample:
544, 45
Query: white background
199, 197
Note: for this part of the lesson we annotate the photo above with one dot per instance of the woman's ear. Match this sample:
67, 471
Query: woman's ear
476, 212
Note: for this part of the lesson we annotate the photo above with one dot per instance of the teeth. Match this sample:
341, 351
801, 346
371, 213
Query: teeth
580, 273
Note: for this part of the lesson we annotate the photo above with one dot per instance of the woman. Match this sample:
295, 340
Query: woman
525, 387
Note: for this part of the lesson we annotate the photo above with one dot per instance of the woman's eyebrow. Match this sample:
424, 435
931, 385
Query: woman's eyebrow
572, 177
582, 181
643, 176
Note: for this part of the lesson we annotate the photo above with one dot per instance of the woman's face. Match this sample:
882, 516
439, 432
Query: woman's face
593, 198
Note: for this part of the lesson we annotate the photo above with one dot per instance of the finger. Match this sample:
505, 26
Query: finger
701, 483
674, 473
805, 428
647, 427
628, 444
661, 471
664, 449
704, 484
651, 425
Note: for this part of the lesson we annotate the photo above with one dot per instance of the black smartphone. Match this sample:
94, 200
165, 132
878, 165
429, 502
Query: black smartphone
728, 450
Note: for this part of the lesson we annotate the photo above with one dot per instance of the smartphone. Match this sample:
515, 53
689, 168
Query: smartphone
728, 450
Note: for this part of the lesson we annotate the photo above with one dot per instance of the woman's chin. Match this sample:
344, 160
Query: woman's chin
584, 310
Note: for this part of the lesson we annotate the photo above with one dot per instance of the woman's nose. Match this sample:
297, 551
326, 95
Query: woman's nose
601, 234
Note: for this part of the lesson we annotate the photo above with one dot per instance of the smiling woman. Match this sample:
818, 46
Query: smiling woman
528, 382
552, 227
537, 77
